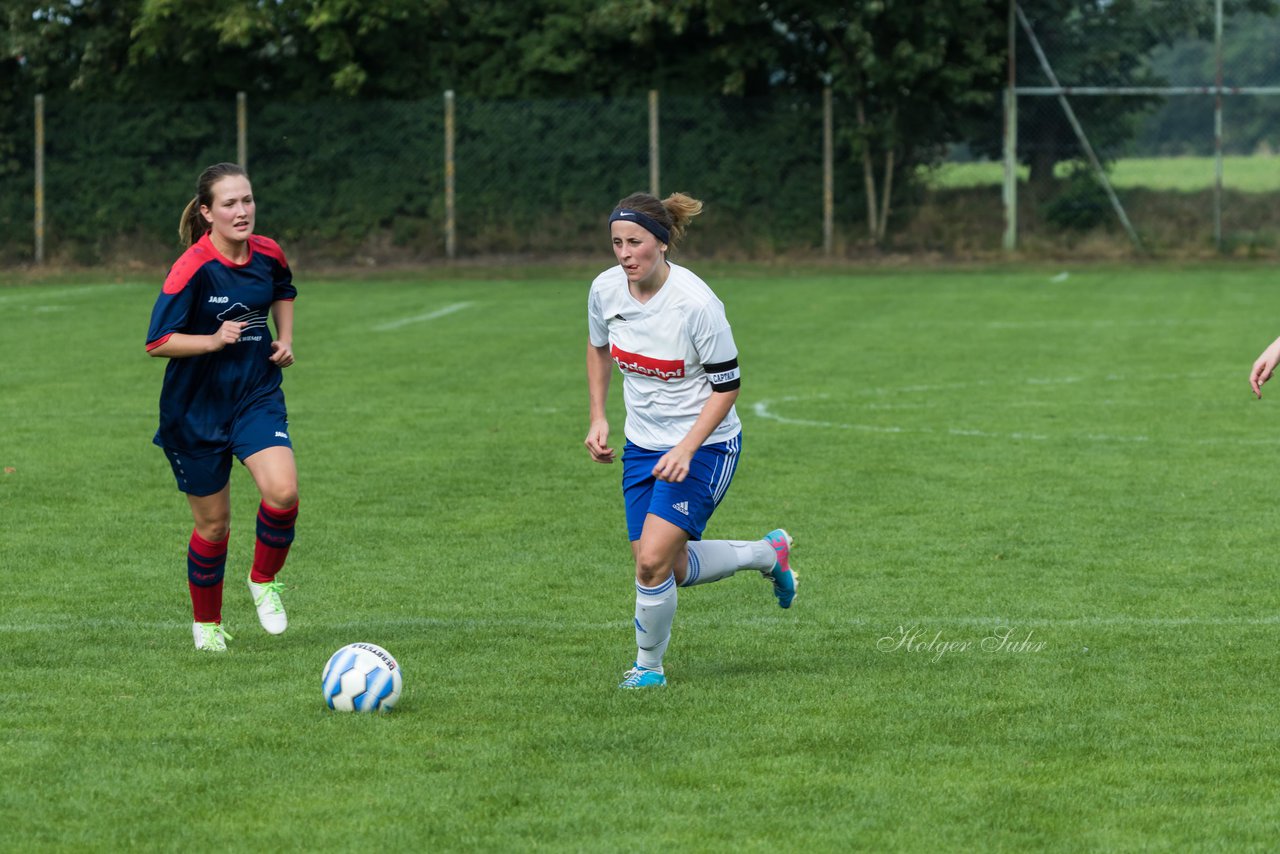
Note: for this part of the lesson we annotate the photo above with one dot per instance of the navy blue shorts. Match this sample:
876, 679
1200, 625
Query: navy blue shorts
260, 427
688, 504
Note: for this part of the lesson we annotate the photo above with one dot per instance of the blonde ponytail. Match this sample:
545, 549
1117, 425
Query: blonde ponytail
672, 213
681, 208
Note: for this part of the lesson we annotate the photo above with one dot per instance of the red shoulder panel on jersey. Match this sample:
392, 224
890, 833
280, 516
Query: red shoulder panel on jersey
185, 268
156, 343
268, 247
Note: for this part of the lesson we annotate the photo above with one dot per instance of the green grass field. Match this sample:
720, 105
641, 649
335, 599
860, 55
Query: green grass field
1071, 463
1250, 174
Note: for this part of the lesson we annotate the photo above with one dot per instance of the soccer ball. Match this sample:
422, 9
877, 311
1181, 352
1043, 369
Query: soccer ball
361, 677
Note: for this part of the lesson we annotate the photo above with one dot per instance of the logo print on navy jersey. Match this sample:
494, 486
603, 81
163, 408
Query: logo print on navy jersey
241, 313
634, 363
681, 507
214, 299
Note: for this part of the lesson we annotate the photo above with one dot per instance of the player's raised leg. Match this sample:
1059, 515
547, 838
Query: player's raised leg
276, 475
712, 560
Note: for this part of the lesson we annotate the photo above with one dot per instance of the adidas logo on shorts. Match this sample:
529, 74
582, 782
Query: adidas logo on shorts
681, 507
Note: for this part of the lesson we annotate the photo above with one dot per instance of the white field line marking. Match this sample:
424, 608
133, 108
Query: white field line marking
879, 623
433, 315
39, 295
1100, 621
1034, 381
762, 410
765, 409
1067, 323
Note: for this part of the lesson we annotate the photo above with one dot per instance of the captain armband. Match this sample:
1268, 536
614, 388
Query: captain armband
724, 376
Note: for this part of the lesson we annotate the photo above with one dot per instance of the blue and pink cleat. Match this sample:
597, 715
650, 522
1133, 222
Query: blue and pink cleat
643, 677
782, 576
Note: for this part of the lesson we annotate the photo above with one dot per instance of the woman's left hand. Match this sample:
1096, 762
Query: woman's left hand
282, 353
673, 467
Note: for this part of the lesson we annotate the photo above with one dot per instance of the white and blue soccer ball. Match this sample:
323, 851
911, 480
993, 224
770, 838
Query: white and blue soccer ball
361, 677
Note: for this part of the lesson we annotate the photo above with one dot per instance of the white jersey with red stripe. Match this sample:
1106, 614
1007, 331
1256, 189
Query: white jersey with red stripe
662, 348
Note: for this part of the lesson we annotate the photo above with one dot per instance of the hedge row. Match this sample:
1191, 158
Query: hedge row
344, 178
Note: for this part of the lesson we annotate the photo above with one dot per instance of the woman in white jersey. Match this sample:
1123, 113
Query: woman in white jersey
668, 334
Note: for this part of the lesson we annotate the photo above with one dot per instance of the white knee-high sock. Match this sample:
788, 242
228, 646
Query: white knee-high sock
712, 560
655, 611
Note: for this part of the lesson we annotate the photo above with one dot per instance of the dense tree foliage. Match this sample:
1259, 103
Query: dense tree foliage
909, 77
909, 71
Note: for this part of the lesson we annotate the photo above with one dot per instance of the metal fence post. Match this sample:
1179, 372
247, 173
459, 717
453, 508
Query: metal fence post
450, 221
654, 173
242, 130
39, 188
828, 175
1010, 189
1217, 128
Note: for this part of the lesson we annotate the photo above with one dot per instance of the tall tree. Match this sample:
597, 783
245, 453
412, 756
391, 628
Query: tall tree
909, 71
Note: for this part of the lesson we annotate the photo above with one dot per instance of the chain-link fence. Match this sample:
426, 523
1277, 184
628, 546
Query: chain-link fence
366, 181
1185, 134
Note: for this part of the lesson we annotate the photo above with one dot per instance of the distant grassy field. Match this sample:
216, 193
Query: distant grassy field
1248, 174
1033, 511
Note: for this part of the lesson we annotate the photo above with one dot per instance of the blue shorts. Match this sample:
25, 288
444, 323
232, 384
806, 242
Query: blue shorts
688, 504
257, 428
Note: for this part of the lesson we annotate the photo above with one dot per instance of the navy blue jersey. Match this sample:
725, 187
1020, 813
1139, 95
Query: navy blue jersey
203, 395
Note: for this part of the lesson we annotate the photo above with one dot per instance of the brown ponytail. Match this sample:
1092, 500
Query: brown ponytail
192, 226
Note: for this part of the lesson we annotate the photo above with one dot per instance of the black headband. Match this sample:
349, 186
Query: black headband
643, 220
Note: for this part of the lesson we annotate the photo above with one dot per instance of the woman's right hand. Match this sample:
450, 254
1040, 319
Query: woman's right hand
1263, 367
597, 442
228, 333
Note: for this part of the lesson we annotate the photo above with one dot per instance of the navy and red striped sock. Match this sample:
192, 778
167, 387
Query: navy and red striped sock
275, 535
206, 563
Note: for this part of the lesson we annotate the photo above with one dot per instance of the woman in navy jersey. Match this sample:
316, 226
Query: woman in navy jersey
221, 395
669, 336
